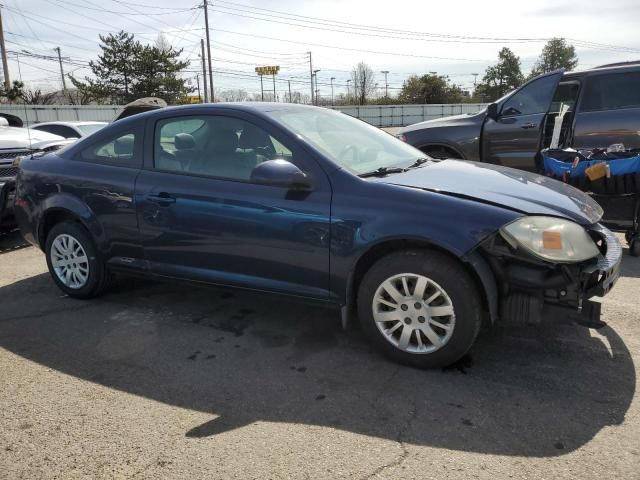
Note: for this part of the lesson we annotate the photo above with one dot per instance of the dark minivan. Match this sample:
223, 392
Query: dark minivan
603, 108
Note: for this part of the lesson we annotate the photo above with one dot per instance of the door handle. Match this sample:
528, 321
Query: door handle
529, 125
162, 198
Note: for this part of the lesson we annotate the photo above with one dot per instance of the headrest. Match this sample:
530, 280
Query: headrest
224, 141
252, 137
124, 145
184, 141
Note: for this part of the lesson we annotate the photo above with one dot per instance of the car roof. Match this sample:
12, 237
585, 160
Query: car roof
70, 123
252, 107
612, 67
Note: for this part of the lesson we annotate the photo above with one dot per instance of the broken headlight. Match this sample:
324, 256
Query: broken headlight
550, 238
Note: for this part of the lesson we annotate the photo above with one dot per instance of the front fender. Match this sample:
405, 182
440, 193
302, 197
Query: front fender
396, 214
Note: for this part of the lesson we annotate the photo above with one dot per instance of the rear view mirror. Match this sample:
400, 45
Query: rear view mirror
280, 173
492, 111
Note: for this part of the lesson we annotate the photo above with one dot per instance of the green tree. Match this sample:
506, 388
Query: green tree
499, 79
126, 69
555, 54
15, 92
430, 88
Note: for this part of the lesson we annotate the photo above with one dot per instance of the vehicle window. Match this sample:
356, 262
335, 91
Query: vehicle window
532, 98
215, 146
119, 151
348, 142
566, 94
611, 92
89, 128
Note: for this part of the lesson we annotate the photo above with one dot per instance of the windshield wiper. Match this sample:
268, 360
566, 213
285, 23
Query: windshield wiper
382, 171
420, 161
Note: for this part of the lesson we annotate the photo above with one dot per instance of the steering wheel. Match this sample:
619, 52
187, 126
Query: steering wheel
350, 147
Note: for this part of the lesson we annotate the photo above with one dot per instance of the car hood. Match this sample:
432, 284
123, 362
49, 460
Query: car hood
506, 187
27, 138
455, 120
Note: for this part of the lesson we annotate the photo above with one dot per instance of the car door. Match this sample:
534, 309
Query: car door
609, 111
102, 173
201, 218
513, 138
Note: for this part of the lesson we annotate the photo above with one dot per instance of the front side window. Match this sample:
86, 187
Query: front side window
612, 92
348, 142
532, 98
215, 146
119, 151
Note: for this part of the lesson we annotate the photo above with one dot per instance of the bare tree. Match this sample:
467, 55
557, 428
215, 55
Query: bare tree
233, 95
36, 97
162, 43
363, 80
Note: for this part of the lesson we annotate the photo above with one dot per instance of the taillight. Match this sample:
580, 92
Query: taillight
401, 137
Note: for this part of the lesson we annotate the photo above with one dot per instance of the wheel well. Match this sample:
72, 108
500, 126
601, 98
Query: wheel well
50, 220
445, 148
378, 251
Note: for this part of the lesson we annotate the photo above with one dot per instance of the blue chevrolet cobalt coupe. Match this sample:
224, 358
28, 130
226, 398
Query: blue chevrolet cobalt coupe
312, 203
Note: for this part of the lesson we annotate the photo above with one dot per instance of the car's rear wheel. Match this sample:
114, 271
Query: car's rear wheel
73, 261
420, 308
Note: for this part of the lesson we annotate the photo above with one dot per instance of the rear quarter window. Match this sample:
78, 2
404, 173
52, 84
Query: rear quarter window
612, 92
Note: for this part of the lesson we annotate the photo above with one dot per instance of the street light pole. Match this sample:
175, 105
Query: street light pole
386, 84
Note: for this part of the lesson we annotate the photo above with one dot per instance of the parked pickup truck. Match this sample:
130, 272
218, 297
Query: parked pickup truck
602, 107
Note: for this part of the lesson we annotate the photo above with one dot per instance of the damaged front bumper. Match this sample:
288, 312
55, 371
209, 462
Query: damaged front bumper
7, 198
530, 290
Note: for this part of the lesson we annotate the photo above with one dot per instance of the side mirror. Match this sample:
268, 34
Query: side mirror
492, 111
280, 173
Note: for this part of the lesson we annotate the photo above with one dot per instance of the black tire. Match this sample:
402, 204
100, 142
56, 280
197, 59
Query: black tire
98, 276
447, 273
634, 247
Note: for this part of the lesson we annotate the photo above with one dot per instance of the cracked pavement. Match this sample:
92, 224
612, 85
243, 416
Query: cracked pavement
166, 380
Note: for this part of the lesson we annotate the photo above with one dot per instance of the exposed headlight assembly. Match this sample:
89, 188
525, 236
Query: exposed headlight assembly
550, 238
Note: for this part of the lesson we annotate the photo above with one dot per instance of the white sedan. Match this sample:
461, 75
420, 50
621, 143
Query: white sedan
70, 129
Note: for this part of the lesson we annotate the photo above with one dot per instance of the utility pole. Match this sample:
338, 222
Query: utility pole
290, 101
206, 26
275, 99
198, 84
315, 76
386, 84
204, 71
5, 64
332, 79
348, 95
64, 84
261, 88
310, 75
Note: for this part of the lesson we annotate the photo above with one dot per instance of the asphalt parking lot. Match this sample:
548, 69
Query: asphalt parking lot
162, 380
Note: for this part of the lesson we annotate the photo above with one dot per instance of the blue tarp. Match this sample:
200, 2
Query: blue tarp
619, 166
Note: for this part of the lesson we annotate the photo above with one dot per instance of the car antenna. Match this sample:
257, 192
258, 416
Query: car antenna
24, 104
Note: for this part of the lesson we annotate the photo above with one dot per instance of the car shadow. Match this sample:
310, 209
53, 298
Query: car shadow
246, 358
630, 265
11, 241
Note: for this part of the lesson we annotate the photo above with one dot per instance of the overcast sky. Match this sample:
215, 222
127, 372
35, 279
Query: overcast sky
438, 35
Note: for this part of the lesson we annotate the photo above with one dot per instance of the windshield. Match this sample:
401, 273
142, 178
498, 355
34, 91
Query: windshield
89, 128
348, 142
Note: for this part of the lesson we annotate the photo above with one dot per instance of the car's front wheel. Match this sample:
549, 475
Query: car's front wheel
420, 308
73, 261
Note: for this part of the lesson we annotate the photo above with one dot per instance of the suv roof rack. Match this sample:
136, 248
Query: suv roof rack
619, 64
